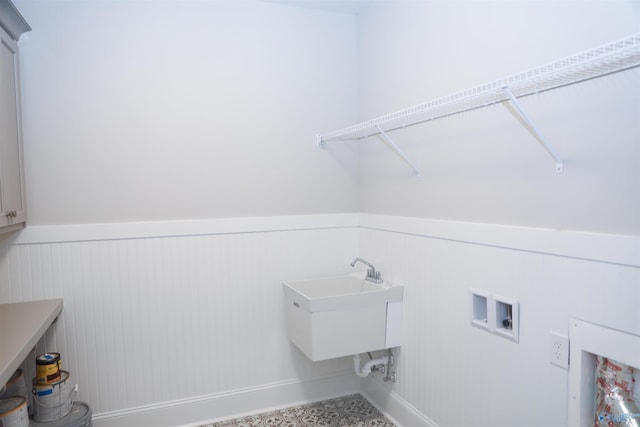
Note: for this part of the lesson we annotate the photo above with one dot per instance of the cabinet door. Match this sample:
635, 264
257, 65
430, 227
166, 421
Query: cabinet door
12, 206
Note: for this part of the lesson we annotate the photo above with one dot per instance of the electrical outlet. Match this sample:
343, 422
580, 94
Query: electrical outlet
559, 350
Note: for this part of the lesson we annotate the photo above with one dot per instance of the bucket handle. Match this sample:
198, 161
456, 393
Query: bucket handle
64, 402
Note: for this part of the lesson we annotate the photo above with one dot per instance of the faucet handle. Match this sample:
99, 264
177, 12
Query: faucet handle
374, 276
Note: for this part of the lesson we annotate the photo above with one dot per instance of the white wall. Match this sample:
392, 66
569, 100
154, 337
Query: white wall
140, 116
141, 110
127, 121
484, 166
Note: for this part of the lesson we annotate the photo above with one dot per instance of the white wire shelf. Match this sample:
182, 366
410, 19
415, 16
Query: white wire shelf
607, 59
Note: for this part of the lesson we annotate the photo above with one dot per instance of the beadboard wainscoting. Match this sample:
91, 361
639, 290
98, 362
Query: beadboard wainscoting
450, 373
166, 318
181, 322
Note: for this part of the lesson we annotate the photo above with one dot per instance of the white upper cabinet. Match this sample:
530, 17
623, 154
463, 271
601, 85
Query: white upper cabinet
13, 213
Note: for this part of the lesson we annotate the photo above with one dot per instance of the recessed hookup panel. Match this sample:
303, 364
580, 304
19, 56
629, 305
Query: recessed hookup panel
507, 320
479, 304
497, 314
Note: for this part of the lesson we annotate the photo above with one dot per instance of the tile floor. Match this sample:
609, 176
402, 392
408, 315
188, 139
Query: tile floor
347, 411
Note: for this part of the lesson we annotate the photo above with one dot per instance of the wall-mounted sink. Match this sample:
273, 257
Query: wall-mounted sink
342, 315
340, 293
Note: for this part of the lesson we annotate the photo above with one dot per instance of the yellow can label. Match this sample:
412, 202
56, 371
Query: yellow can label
48, 373
44, 370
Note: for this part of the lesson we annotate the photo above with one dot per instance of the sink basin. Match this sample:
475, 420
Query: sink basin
340, 293
342, 315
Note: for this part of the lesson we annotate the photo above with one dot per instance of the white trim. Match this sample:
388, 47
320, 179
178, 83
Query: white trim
586, 341
396, 409
610, 248
216, 407
152, 229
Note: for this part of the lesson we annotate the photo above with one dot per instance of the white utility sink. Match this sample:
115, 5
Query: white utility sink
342, 315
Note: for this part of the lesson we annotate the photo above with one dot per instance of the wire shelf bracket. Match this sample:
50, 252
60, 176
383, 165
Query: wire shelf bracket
614, 57
397, 150
538, 134
391, 144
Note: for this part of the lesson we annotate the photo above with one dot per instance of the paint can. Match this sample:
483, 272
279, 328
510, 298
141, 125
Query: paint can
48, 368
52, 401
13, 412
16, 386
79, 416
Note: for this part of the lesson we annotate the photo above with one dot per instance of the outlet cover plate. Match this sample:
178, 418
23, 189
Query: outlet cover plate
559, 350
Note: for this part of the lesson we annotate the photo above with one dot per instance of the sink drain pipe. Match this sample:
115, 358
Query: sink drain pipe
367, 368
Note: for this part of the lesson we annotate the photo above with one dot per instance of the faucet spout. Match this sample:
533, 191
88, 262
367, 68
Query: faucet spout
372, 275
357, 260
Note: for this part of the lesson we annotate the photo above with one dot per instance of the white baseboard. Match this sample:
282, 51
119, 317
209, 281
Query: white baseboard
216, 407
396, 409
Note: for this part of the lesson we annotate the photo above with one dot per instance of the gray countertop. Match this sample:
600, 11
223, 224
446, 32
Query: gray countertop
22, 324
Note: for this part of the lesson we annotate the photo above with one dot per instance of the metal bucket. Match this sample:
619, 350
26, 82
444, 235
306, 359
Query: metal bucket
52, 401
16, 386
79, 416
13, 412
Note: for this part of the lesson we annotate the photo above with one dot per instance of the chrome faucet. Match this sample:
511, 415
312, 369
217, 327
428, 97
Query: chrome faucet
372, 275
